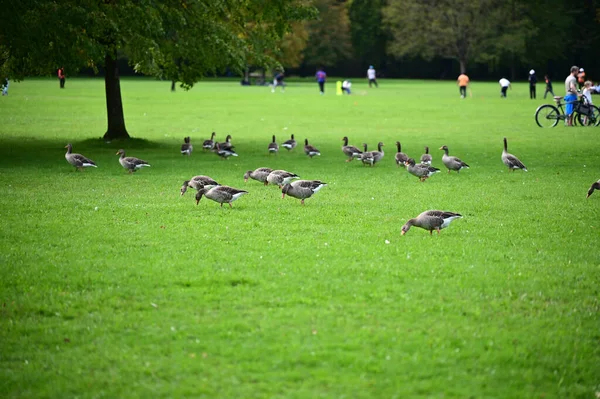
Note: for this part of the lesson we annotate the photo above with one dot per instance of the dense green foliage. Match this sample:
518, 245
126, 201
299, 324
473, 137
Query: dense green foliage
112, 285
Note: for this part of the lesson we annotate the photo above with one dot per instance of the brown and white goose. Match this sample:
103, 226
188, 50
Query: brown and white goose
302, 189
452, 163
289, 144
132, 164
366, 157
281, 177
209, 144
350, 150
226, 145
273, 146
431, 220
310, 150
198, 183
595, 186
426, 158
379, 154
400, 157
224, 153
78, 160
220, 194
186, 147
259, 174
510, 160
423, 172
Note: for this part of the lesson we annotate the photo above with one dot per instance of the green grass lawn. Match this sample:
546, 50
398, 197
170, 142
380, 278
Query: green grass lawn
113, 285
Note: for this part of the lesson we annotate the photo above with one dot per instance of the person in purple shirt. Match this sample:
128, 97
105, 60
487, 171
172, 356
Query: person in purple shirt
321, 76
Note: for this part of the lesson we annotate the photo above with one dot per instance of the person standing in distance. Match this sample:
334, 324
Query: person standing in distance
61, 77
532, 81
548, 86
321, 77
571, 95
463, 83
372, 76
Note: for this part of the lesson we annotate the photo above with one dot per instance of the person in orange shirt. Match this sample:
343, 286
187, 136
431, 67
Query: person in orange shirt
463, 82
581, 78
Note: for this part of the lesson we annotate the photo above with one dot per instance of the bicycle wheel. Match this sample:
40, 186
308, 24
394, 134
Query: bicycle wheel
593, 119
547, 116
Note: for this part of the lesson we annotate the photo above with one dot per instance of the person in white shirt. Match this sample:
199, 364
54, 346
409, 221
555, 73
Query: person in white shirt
372, 76
346, 85
504, 84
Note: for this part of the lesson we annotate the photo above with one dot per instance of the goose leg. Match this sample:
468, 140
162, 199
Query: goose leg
302, 201
438, 230
231, 207
221, 205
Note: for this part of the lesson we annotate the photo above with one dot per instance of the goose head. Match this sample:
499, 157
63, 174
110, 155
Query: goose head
407, 226
121, 152
285, 189
184, 187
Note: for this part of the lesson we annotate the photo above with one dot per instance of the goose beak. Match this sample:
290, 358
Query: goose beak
403, 232
245, 180
282, 195
441, 148
117, 153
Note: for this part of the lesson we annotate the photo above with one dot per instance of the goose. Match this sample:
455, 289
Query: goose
366, 157
400, 157
595, 186
423, 172
209, 144
198, 183
310, 150
186, 147
78, 160
130, 163
350, 150
302, 189
452, 163
224, 153
289, 144
220, 194
281, 177
378, 155
426, 158
273, 147
226, 145
259, 174
431, 220
510, 160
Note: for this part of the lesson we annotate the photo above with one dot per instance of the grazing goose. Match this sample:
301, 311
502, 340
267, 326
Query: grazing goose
510, 160
350, 150
273, 147
423, 172
130, 163
186, 147
281, 177
209, 144
452, 163
310, 150
227, 144
595, 186
289, 144
259, 174
366, 157
400, 157
220, 194
224, 153
302, 189
198, 183
78, 160
426, 158
431, 220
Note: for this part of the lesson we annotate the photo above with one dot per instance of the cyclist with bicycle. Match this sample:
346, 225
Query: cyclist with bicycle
571, 96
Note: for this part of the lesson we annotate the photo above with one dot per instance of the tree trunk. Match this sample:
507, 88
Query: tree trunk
114, 104
172, 85
463, 65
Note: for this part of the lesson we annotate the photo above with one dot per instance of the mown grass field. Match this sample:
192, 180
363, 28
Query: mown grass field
112, 285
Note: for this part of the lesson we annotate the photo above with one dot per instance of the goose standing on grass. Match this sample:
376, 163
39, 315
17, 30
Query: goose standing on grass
224, 152
302, 189
78, 160
350, 150
452, 163
209, 144
289, 144
186, 147
595, 186
259, 174
426, 158
130, 163
220, 194
510, 160
226, 145
281, 177
431, 220
198, 183
423, 172
366, 157
310, 150
378, 155
400, 157
273, 147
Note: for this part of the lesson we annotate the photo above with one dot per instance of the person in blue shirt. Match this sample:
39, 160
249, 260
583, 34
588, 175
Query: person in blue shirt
321, 77
5, 88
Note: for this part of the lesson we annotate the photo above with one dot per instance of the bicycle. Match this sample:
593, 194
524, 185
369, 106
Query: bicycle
548, 115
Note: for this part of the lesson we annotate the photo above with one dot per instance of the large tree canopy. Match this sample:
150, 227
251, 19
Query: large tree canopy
180, 40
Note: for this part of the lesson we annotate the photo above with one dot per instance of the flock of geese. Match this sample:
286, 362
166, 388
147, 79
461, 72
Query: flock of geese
302, 189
